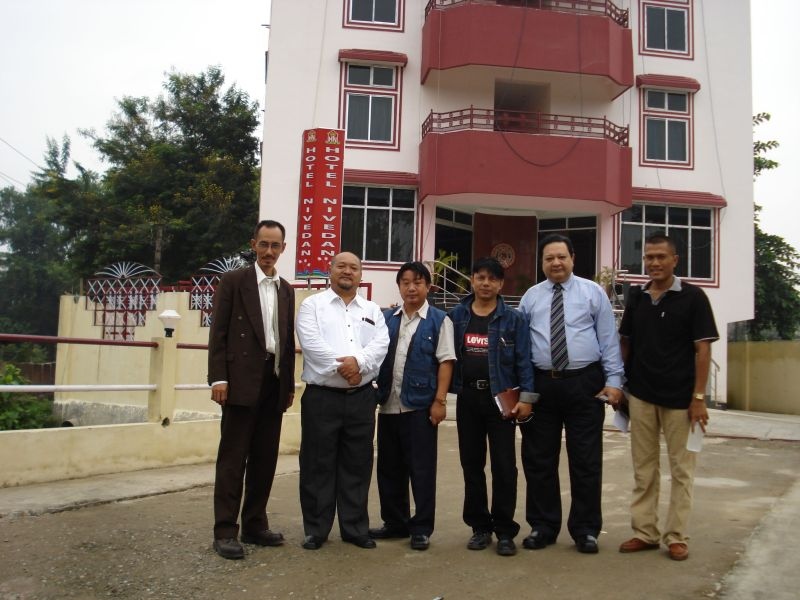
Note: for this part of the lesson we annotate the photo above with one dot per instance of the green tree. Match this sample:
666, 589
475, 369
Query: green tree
33, 272
22, 411
182, 185
777, 300
183, 169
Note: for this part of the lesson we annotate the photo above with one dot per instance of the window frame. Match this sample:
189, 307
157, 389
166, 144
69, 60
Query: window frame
685, 6
398, 25
393, 92
391, 209
648, 114
713, 228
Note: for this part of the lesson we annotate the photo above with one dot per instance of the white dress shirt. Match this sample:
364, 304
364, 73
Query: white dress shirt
268, 294
328, 329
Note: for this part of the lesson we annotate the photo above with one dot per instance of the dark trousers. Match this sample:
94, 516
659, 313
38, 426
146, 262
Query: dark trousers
336, 460
478, 419
407, 453
248, 452
567, 404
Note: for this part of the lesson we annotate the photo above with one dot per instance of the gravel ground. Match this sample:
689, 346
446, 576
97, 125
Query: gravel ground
160, 546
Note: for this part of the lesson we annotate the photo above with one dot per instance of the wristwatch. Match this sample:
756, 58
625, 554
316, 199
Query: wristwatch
699, 396
442, 401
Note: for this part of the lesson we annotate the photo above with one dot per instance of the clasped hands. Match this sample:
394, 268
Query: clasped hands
349, 369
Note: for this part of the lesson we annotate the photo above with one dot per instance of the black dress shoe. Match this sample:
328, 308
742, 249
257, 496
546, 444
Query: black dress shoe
263, 538
387, 533
312, 542
479, 540
587, 544
229, 548
420, 542
537, 540
506, 547
362, 541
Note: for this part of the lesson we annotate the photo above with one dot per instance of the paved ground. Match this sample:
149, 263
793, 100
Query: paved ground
148, 535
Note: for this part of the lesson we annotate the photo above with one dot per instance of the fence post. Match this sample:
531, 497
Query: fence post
163, 367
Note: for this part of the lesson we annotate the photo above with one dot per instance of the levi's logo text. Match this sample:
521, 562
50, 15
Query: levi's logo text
476, 343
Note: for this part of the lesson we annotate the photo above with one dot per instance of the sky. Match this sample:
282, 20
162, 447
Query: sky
65, 63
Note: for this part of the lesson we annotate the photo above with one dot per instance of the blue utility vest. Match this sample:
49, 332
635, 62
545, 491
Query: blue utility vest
422, 367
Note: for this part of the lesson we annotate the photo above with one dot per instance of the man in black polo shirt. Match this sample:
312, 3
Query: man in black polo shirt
666, 336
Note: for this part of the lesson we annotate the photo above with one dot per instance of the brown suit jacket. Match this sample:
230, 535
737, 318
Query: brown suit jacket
236, 345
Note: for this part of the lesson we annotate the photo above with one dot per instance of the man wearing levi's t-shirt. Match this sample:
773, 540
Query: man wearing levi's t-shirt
492, 355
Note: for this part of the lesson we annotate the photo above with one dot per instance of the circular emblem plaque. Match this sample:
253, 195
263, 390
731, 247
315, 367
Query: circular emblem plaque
504, 254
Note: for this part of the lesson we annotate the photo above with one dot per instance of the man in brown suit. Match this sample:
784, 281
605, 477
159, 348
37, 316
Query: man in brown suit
251, 373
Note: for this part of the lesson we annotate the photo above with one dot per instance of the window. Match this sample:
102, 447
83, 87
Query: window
380, 14
378, 223
371, 95
666, 28
666, 127
691, 228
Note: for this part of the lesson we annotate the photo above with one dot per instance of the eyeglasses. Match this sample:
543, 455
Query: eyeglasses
274, 246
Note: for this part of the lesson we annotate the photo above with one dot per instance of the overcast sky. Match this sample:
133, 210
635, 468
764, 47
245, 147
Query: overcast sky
63, 64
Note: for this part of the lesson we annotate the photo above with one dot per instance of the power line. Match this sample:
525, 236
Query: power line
28, 158
10, 179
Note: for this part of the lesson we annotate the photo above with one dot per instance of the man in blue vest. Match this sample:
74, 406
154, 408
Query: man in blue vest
412, 386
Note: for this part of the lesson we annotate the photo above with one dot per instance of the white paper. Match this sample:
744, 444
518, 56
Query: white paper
695, 441
621, 421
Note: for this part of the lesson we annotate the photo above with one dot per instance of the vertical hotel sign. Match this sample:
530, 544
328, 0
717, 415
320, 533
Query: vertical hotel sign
319, 219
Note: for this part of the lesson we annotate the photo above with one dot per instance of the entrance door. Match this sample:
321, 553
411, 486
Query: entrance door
512, 241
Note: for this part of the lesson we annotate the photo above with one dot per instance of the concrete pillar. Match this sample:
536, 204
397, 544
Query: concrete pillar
163, 367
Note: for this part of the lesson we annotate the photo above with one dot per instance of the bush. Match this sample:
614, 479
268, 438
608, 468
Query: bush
22, 411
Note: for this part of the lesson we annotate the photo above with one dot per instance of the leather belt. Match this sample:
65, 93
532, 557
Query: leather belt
553, 374
478, 384
336, 390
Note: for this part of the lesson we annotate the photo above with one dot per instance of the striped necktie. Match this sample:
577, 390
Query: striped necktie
558, 333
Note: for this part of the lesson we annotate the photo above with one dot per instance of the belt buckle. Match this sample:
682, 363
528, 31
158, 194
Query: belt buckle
481, 384
556, 374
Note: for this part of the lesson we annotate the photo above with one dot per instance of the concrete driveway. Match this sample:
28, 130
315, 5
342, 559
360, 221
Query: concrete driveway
135, 536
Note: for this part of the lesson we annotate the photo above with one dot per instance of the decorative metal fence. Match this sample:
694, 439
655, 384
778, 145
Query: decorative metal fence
593, 7
120, 296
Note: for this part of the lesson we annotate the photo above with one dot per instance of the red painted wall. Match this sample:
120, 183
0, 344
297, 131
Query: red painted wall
503, 36
519, 164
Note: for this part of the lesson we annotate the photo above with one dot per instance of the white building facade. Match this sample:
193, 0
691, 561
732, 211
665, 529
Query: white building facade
476, 127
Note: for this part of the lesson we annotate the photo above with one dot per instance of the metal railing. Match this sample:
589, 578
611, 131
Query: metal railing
452, 286
536, 123
593, 7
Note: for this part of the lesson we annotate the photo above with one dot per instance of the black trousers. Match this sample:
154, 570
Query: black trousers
478, 419
336, 460
567, 404
407, 453
248, 453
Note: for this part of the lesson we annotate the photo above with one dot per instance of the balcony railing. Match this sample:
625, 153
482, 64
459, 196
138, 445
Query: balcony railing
594, 7
524, 122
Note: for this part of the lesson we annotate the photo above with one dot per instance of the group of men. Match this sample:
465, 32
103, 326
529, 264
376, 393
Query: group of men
558, 356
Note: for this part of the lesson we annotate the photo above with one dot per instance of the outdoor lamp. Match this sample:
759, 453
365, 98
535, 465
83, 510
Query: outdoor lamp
169, 318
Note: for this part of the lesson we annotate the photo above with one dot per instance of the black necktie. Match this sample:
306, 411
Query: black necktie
558, 333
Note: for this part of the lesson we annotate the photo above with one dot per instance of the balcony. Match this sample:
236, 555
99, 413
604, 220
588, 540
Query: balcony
484, 151
587, 37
